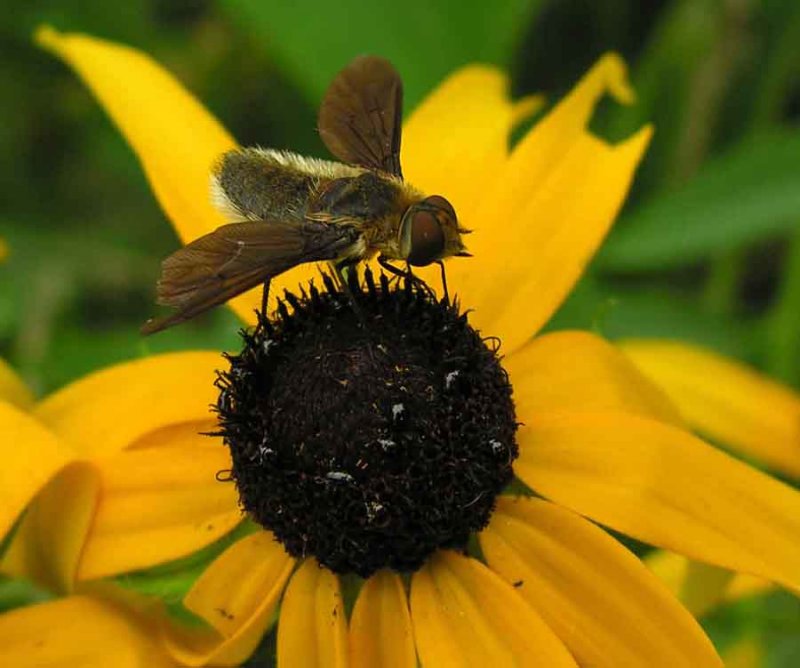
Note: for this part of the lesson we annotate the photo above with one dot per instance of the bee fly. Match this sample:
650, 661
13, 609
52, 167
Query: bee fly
285, 209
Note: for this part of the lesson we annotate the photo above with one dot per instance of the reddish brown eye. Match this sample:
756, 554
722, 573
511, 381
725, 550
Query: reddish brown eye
439, 202
427, 239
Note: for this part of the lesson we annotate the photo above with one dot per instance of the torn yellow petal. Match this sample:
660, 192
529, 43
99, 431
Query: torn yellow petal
581, 371
48, 545
544, 214
532, 161
699, 587
12, 388
597, 596
160, 503
466, 615
77, 631
32, 456
726, 400
457, 139
380, 627
536, 256
107, 411
237, 595
526, 107
312, 630
663, 486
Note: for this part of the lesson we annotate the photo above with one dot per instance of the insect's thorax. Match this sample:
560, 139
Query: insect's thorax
267, 185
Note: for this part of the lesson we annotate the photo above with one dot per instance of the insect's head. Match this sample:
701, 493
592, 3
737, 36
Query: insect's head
429, 231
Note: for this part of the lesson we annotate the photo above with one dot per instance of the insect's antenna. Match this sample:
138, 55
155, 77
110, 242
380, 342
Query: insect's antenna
444, 281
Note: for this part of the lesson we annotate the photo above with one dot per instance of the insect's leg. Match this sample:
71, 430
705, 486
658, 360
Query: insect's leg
391, 268
339, 268
444, 281
265, 297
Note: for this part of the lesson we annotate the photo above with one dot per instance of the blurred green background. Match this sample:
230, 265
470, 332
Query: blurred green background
707, 249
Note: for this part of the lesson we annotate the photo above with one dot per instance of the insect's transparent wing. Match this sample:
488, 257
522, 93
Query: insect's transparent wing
361, 116
234, 258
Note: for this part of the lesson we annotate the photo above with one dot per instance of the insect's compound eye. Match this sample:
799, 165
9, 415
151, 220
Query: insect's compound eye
422, 237
443, 207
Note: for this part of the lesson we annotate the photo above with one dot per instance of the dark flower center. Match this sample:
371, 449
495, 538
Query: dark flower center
369, 429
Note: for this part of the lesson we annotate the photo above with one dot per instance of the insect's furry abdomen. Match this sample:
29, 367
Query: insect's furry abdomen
264, 184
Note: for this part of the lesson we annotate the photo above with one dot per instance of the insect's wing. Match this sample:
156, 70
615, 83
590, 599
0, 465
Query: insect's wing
236, 257
361, 115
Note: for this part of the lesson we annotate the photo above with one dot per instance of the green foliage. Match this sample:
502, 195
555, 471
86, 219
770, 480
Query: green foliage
425, 40
749, 194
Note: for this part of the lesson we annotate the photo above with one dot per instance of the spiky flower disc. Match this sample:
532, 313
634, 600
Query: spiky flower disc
370, 429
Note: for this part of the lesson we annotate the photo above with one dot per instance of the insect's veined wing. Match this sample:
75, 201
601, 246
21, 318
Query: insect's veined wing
361, 116
236, 257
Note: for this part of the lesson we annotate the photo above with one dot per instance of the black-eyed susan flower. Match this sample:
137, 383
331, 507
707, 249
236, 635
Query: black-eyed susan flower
595, 438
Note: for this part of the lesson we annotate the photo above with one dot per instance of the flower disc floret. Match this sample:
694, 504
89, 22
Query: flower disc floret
368, 429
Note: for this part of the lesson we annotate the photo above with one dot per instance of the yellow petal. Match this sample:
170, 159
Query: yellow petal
3, 250
543, 215
725, 400
13, 388
380, 627
107, 411
312, 630
699, 587
533, 158
534, 267
745, 586
465, 615
160, 503
175, 138
47, 547
597, 597
581, 371
457, 139
77, 631
662, 485
525, 108
237, 595
31, 456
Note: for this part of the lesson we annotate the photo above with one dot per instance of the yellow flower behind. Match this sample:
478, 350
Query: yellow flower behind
599, 441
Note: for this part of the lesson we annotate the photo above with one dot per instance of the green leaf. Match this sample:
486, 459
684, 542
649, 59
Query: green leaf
15, 593
627, 311
748, 194
425, 40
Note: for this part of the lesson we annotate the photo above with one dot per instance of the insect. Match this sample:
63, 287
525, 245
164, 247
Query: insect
285, 209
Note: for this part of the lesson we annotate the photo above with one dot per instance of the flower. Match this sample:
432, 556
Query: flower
599, 441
